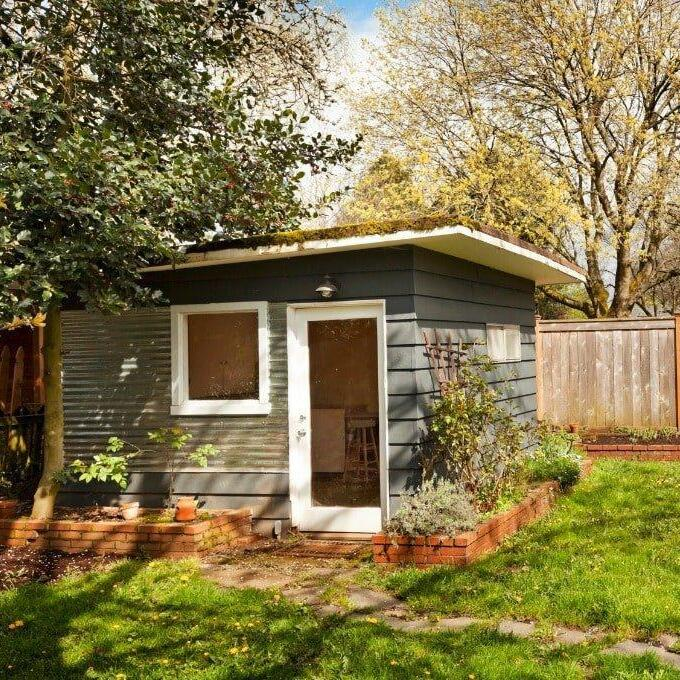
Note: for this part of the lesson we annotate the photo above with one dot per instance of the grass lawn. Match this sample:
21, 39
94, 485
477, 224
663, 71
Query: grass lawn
608, 556
163, 620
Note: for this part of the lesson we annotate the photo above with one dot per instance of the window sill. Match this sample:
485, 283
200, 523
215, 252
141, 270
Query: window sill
222, 408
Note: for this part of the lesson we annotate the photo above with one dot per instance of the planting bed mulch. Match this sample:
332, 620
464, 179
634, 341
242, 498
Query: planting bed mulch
20, 566
103, 514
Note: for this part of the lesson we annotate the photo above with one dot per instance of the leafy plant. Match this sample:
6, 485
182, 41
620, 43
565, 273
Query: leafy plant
556, 458
173, 440
109, 466
474, 441
112, 464
438, 507
646, 434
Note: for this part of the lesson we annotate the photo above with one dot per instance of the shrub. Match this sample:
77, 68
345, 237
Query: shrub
646, 434
474, 440
556, 458
438, 507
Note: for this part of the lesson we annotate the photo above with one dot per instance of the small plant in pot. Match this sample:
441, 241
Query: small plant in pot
173, 441
112, 466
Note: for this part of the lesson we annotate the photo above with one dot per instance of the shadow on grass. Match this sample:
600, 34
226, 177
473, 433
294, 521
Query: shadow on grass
607, 556
162, 620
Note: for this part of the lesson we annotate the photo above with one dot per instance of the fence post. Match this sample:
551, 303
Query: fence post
677, 370
539, 366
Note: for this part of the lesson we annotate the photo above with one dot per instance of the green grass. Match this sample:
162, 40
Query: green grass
608, 556
162, 620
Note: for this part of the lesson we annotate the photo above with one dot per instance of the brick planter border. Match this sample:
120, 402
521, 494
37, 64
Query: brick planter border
469, 546
155, 539
651, 452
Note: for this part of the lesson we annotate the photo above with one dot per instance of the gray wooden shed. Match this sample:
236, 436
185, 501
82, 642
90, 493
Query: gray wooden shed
302, 359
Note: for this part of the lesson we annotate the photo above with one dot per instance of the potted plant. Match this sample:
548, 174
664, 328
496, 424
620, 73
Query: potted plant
173, 441
112, 466
185, 509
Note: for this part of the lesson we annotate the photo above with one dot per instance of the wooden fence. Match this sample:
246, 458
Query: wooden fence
608, 373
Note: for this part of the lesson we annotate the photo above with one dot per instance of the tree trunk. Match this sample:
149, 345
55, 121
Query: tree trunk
53, 457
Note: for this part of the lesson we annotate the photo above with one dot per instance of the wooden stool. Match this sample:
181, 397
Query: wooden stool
361, 451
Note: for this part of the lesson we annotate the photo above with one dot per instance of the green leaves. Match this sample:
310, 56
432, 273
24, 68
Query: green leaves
104, 467
475, 441
123, 135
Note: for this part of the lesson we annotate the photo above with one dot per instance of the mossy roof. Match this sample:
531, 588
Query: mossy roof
371, 228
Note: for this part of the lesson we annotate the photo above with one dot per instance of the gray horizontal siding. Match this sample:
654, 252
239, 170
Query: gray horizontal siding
117, 383
460, 298
117, 369
117, 375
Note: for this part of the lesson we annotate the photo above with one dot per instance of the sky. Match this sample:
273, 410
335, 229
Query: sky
357, 11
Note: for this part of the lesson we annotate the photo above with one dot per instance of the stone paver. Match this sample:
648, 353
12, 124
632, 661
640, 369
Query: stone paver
307, 586
457, 623
310, 595
571, 636
668, 641
232, 576
365, 600
522, 629
633, 648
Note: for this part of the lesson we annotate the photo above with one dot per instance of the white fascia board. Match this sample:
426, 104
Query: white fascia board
458, 241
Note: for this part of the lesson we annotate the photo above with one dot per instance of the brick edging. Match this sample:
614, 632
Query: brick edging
166, 539
651, 452
465, 548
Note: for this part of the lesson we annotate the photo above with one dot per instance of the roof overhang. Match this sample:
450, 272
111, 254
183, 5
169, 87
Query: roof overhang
509, 256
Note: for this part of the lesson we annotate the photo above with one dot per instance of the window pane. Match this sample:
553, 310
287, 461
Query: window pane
344, 394
513, 343
495, 342
223, 356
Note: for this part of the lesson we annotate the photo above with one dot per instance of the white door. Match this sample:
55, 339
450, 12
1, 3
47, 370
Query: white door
337, 416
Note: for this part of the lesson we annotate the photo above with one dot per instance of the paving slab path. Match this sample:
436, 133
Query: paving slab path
311, 582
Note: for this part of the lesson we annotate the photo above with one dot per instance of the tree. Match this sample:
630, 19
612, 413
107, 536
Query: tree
593, 87
122, 136
501, 185
386, 190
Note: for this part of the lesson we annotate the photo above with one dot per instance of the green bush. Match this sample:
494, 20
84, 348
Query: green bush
438, 507
646, 434
474, 440
556, 458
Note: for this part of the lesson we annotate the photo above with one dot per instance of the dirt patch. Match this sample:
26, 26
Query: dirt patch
20, 566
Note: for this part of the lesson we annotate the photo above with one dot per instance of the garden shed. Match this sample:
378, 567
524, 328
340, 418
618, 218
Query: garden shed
301, 356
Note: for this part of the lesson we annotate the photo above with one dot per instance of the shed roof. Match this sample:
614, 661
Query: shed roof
482, 245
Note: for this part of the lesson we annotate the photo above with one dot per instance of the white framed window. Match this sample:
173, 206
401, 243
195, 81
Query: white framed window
220, 359
503, 343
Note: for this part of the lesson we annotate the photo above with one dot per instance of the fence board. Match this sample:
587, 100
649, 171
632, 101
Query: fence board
603, 374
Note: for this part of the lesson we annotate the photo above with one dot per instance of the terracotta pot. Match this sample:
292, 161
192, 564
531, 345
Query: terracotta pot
185, 509
8, 508
129, 510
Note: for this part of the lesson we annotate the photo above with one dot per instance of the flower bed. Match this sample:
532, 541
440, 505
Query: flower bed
140, 536
468, 546
651, 451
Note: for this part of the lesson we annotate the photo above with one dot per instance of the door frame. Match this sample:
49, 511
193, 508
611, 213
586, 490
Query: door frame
299, 404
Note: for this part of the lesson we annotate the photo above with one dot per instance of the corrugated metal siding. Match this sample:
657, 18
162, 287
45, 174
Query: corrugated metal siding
117, 382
